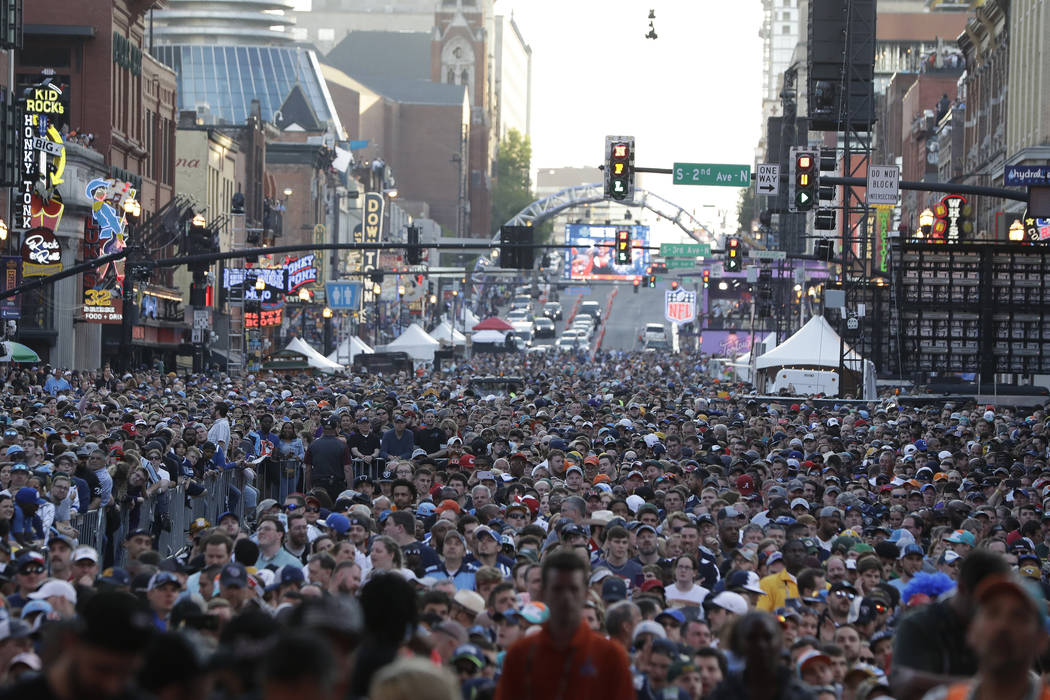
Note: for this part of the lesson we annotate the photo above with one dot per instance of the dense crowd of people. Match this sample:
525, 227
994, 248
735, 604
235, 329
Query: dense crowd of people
622, 528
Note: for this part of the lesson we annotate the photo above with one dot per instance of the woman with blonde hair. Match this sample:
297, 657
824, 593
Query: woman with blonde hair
414, 678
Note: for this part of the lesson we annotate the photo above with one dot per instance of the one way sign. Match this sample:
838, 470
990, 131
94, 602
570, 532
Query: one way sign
768, 180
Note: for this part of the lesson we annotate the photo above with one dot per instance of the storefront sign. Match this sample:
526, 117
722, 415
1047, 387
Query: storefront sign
264, 318
954, 219
1035, 229
41, 253
102, 286
11, 266
373, 227
43, 152
274, 282
126, 54
301, 271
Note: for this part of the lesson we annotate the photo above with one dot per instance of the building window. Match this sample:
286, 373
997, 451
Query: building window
786, 29
451, 78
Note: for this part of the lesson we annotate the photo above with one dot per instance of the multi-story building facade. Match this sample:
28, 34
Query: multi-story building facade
121, 126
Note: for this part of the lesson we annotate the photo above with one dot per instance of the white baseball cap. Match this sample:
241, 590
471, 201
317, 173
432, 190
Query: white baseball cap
733, 602
55, 587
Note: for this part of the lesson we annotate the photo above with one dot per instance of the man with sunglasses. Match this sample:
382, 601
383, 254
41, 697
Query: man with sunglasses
30, 572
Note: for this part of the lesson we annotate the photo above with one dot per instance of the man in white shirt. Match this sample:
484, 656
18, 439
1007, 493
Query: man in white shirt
220, 429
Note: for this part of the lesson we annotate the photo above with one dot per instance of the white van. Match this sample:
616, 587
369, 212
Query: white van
653, 332
806, 382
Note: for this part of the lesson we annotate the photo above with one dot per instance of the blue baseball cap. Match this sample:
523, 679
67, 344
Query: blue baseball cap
912, 549
28, 495
338, 522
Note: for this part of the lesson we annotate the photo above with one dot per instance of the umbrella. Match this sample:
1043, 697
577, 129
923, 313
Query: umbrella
16, 352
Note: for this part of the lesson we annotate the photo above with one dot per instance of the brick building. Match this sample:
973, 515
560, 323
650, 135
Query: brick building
122, 105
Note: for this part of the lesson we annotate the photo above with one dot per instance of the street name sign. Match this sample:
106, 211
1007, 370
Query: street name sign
767, 181
712, 174
678, 263
685, 250
1026, 175
884, 184
679, 305
767, 254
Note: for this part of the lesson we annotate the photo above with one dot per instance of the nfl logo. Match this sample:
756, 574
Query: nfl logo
679, 306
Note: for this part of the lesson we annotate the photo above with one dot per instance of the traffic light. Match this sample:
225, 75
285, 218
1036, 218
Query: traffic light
619, 167
674, 285
824, 219
637, 284
200, 240
707, 278
733, 255
512, 253
802, 187
824, 249
413, 251
623, 247
651, 282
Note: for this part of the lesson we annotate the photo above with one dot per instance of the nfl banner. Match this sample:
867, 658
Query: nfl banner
679, 306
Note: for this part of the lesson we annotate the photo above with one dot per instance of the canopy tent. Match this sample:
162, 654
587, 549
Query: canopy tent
470, 319
490, 336
493, 324
350, 348
445, 333
816, 344
742, 366
416, 342
16, 352
313, 358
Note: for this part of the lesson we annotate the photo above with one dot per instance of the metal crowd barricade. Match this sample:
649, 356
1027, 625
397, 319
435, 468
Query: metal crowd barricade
373, 469
116, 554
170, 539
91, 528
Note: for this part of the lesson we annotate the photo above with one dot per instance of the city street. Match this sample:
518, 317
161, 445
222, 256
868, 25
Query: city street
274, 422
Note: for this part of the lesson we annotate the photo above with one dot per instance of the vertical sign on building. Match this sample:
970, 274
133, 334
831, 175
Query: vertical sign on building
11, 307
43, 153
373, 233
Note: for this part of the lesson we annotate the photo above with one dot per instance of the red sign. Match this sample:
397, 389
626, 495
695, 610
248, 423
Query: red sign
260, 319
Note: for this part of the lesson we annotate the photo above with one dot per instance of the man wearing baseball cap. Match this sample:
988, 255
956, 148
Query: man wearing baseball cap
99, 658
1008, 634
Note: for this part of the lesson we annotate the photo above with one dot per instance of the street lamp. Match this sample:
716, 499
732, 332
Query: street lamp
1016, 232
326, 313
925, 223
376, 291
199, 220
288, 192
3, 230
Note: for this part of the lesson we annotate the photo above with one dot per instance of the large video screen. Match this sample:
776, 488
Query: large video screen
592, 256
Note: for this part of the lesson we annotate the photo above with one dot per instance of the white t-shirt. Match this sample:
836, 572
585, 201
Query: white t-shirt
676, 598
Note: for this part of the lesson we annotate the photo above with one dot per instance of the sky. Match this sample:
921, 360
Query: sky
691, 95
